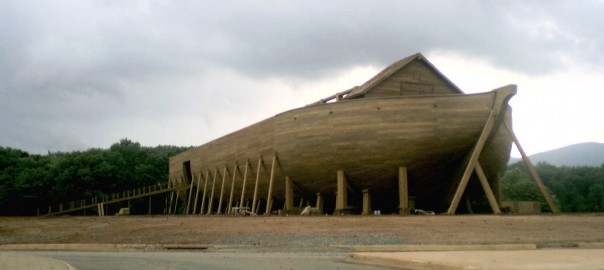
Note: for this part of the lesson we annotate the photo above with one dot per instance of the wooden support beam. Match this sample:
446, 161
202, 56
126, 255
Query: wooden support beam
471, 164
403, 191
255, 199
190, 195
200, 175
205, 188
100, 209
366, 202
532, 170
269, 199
341, 196
498, 101
487, 189
169, 203
211, 201
497, 188
257, 206
235, 169
247, 165
469, 205
176, 196
222, 190
319, 204
175, 204
289, 194
150, 197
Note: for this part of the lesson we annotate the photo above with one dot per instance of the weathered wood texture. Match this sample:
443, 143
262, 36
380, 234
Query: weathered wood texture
414, 79
369, 137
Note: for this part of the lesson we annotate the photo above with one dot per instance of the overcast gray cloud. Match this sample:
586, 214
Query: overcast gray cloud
79, 74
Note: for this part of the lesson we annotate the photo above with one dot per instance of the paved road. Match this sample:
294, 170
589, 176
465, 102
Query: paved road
201, 260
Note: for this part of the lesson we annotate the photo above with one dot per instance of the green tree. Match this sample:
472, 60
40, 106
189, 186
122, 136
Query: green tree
31, 181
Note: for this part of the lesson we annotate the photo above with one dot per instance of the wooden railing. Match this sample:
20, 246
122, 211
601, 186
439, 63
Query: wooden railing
98, 202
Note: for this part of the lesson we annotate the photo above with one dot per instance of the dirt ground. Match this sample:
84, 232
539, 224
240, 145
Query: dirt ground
544, 230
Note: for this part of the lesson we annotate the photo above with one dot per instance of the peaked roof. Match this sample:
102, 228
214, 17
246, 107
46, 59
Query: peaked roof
387, 72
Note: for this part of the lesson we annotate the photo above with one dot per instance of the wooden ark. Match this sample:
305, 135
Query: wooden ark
404, 139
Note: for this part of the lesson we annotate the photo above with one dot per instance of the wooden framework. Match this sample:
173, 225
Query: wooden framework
493, 123
408, 129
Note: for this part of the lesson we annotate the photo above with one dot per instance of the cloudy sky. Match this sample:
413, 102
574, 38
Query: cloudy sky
81, 74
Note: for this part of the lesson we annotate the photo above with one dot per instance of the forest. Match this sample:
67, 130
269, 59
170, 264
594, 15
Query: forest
29, 181
573, 189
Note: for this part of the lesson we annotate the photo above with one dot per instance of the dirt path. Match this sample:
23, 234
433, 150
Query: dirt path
559, 230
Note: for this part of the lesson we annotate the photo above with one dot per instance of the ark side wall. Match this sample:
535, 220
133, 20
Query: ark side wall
254, 147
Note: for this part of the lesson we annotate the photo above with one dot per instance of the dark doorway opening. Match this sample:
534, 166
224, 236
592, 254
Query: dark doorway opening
186, 171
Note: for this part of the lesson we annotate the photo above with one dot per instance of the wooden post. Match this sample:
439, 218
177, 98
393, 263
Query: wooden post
203, 198
211, 202
166, 208
169, 204
269, 199
497, 188
176, 203
289, 194
222, 190
500, 98
341, 196
254, 200
472, 163
487, 189
190, 195
150, 204
235, 169
197, 192
532, 170
319, 204
257, 206
247, 165
366, 202
403, 191
477, 150
469, 205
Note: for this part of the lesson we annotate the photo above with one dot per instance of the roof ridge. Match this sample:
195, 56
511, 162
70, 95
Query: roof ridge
393, 68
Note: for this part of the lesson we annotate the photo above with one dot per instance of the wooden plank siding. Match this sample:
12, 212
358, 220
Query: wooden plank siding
416, 78
409, 115
367, 138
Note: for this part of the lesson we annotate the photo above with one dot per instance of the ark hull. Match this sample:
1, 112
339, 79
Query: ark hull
368, 139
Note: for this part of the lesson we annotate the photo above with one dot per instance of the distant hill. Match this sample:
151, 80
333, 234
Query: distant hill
582, 154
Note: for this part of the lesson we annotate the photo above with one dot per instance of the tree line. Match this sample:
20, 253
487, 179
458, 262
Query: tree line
29, 182
573, 189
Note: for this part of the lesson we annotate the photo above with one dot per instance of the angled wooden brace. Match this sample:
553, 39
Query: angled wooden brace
205, 188
269, 199
487, 189
533, 172
247, 165
235, 169
224, 175
197, 192
501, 96
190, 196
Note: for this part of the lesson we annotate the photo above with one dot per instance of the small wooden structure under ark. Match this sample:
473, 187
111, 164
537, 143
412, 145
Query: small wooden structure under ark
407, 138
